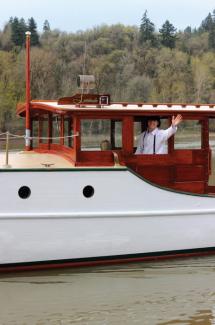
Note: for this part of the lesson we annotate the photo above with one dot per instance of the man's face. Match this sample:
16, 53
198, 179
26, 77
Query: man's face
152, 125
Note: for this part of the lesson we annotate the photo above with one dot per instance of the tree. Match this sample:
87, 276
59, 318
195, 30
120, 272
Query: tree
32, 27
168, 35
173, 80
46, 26
22, 30
147, 30
6, 42
207, 23
16, 36
18, 29
139, 88
188, 30
211, 38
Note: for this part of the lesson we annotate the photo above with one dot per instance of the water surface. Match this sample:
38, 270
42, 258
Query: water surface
158, 293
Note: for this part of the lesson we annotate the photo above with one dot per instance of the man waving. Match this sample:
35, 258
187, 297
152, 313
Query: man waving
153, 140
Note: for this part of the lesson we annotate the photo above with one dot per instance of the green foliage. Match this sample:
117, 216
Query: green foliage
207, 23
147, 30
46, 26
130, 63
14, 32
32, 27
139, 87
18, 29
168, 35
211, 37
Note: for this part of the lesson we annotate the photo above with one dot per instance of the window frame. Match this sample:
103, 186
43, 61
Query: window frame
112, 137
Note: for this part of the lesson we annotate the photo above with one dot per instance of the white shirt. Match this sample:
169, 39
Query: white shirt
157, 138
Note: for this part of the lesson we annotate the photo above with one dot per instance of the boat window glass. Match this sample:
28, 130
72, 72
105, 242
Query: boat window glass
140, 125
101, 134
35, 133
68, 131
188, 135
137, 131
56, 129
44, 128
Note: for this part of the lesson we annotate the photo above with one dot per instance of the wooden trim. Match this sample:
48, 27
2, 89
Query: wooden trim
106, 260
112, 133
77, 139
205, 146
169, 189
171, 141
43, 106
128, 135
155, 104
72, 169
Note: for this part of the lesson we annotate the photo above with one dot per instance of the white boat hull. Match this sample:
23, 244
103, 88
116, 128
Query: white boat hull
126, 218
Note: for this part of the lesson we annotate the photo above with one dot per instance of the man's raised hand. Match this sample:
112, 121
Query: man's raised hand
177, 120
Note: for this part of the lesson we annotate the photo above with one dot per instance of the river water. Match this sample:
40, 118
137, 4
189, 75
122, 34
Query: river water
159, 293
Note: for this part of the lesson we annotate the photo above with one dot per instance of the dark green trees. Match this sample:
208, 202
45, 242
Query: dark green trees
208, 26
18, 29
168, 35
32, 27
211, 37
148, 35
147, 30
46, 26
207, 23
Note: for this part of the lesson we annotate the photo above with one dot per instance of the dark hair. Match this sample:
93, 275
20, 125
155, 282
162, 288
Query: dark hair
154, 118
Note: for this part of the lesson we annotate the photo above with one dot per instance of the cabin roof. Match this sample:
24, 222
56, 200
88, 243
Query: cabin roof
53, 106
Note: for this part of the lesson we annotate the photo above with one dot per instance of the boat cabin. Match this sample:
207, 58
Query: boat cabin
89, 130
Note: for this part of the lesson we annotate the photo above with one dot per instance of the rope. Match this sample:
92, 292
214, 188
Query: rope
16, 136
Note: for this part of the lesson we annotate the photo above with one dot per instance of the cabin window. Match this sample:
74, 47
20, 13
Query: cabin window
101, 134
56, 129
68, 132
35, 132
188, 135
43, 128
140, 125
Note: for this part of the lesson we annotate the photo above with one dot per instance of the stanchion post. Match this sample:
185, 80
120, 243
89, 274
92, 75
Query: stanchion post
7, 151
28, 93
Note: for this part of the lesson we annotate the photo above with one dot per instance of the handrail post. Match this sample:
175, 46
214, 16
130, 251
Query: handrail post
7, 151
116, 159
28, 93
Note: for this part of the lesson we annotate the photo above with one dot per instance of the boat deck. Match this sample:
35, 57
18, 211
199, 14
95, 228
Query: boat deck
24, 159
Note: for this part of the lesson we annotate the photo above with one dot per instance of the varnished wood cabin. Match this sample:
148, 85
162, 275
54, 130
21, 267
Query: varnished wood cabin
94, 121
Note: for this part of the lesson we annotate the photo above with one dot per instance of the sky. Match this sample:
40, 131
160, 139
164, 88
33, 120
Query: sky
74, 15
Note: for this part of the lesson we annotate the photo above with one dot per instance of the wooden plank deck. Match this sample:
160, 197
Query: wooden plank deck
33, 159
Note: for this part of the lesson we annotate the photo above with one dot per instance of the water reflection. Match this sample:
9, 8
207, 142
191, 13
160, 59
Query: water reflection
176, 292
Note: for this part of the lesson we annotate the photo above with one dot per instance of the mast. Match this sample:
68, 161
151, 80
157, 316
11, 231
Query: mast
28, 93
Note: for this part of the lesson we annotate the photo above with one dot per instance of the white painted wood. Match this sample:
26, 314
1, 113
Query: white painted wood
144, 107
126, 215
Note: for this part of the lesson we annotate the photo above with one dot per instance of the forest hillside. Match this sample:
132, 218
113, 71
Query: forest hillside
132, 63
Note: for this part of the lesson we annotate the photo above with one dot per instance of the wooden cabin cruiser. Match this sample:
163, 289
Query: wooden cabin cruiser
78, 195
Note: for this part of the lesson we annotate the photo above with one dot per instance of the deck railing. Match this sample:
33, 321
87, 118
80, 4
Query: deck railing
7, 137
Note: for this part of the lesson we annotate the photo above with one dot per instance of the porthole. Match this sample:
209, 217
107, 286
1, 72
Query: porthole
88, 191
24, 192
